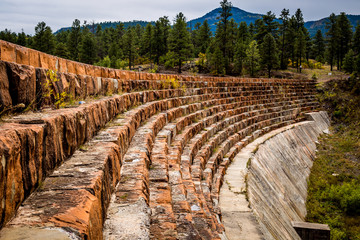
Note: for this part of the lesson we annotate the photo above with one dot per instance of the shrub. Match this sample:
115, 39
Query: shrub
154, 69
105, 62
170, 83
49, 91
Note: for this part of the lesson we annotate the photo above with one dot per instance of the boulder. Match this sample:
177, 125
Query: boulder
22, 83
5, 98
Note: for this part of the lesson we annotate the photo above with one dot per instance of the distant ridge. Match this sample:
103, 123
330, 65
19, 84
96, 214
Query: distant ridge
239, 15
313, 26
109, 24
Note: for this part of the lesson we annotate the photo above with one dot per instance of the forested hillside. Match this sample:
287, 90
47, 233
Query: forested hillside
92, 26
238, 15
253, 48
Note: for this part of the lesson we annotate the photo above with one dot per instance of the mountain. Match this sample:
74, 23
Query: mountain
313, 26
109, 25
238, 15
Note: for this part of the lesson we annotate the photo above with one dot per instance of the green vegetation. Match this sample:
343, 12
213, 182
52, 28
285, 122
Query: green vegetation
254, 48
49, 93
334, 183
170, 83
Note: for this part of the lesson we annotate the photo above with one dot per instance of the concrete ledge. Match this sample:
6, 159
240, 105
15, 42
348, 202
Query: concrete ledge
312, 231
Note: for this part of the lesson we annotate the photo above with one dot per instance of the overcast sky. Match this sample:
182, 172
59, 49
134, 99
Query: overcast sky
25, 14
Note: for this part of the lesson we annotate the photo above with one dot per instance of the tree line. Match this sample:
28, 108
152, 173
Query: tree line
234, 49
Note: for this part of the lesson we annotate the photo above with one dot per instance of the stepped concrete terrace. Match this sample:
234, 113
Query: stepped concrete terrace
141, 159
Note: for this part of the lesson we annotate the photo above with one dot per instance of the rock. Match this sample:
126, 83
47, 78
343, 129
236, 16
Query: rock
22, 55
21, 164
22, 83
5, 98
7, 51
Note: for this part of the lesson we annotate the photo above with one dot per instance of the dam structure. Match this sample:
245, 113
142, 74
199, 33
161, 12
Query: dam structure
135, 155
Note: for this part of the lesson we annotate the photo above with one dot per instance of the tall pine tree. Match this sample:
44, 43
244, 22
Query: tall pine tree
179, 40
345, 37
333, 39
269, 54
44, 40
318, 49
253, 57
283, 38
74, 40
223, 31
87, 47
356, 40
161, 35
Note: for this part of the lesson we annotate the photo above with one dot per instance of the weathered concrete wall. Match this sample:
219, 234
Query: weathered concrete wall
277, 178
60, 167
25, 84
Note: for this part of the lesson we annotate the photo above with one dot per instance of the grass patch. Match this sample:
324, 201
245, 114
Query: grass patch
334, 182
83, 148
215, 149
334, 185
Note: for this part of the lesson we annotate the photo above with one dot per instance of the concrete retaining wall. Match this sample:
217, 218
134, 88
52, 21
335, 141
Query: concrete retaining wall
277, 178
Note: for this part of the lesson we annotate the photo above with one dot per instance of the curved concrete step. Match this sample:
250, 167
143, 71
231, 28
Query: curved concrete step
153, 156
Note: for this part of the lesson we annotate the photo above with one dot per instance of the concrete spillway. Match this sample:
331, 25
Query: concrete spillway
279, 165
139, 159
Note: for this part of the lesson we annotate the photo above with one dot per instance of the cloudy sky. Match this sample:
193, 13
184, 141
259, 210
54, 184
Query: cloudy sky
25, 14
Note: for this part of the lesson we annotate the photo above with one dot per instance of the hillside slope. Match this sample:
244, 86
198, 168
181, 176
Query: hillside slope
239, 15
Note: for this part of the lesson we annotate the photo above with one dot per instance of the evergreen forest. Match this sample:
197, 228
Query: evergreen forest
234, 49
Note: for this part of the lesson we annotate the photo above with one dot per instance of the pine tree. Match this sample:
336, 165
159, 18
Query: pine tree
232, 33
223, 31
8, 36
345, 37
240, 56
87, 48
251, 30
61, 50
44, 40
349, 62
204, 36
147, 44
62, 36
216, 60
283, 38
270, 25
195, 40
21, 39
332, 38
318, 49
259, 30
300, 38
308, 43
179, 40
269, 55
253, 57
300, 48
242, 41
107, 40
130, 46
291, 37
74, 40
356, 40
161, 35
243, 33
357, 64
